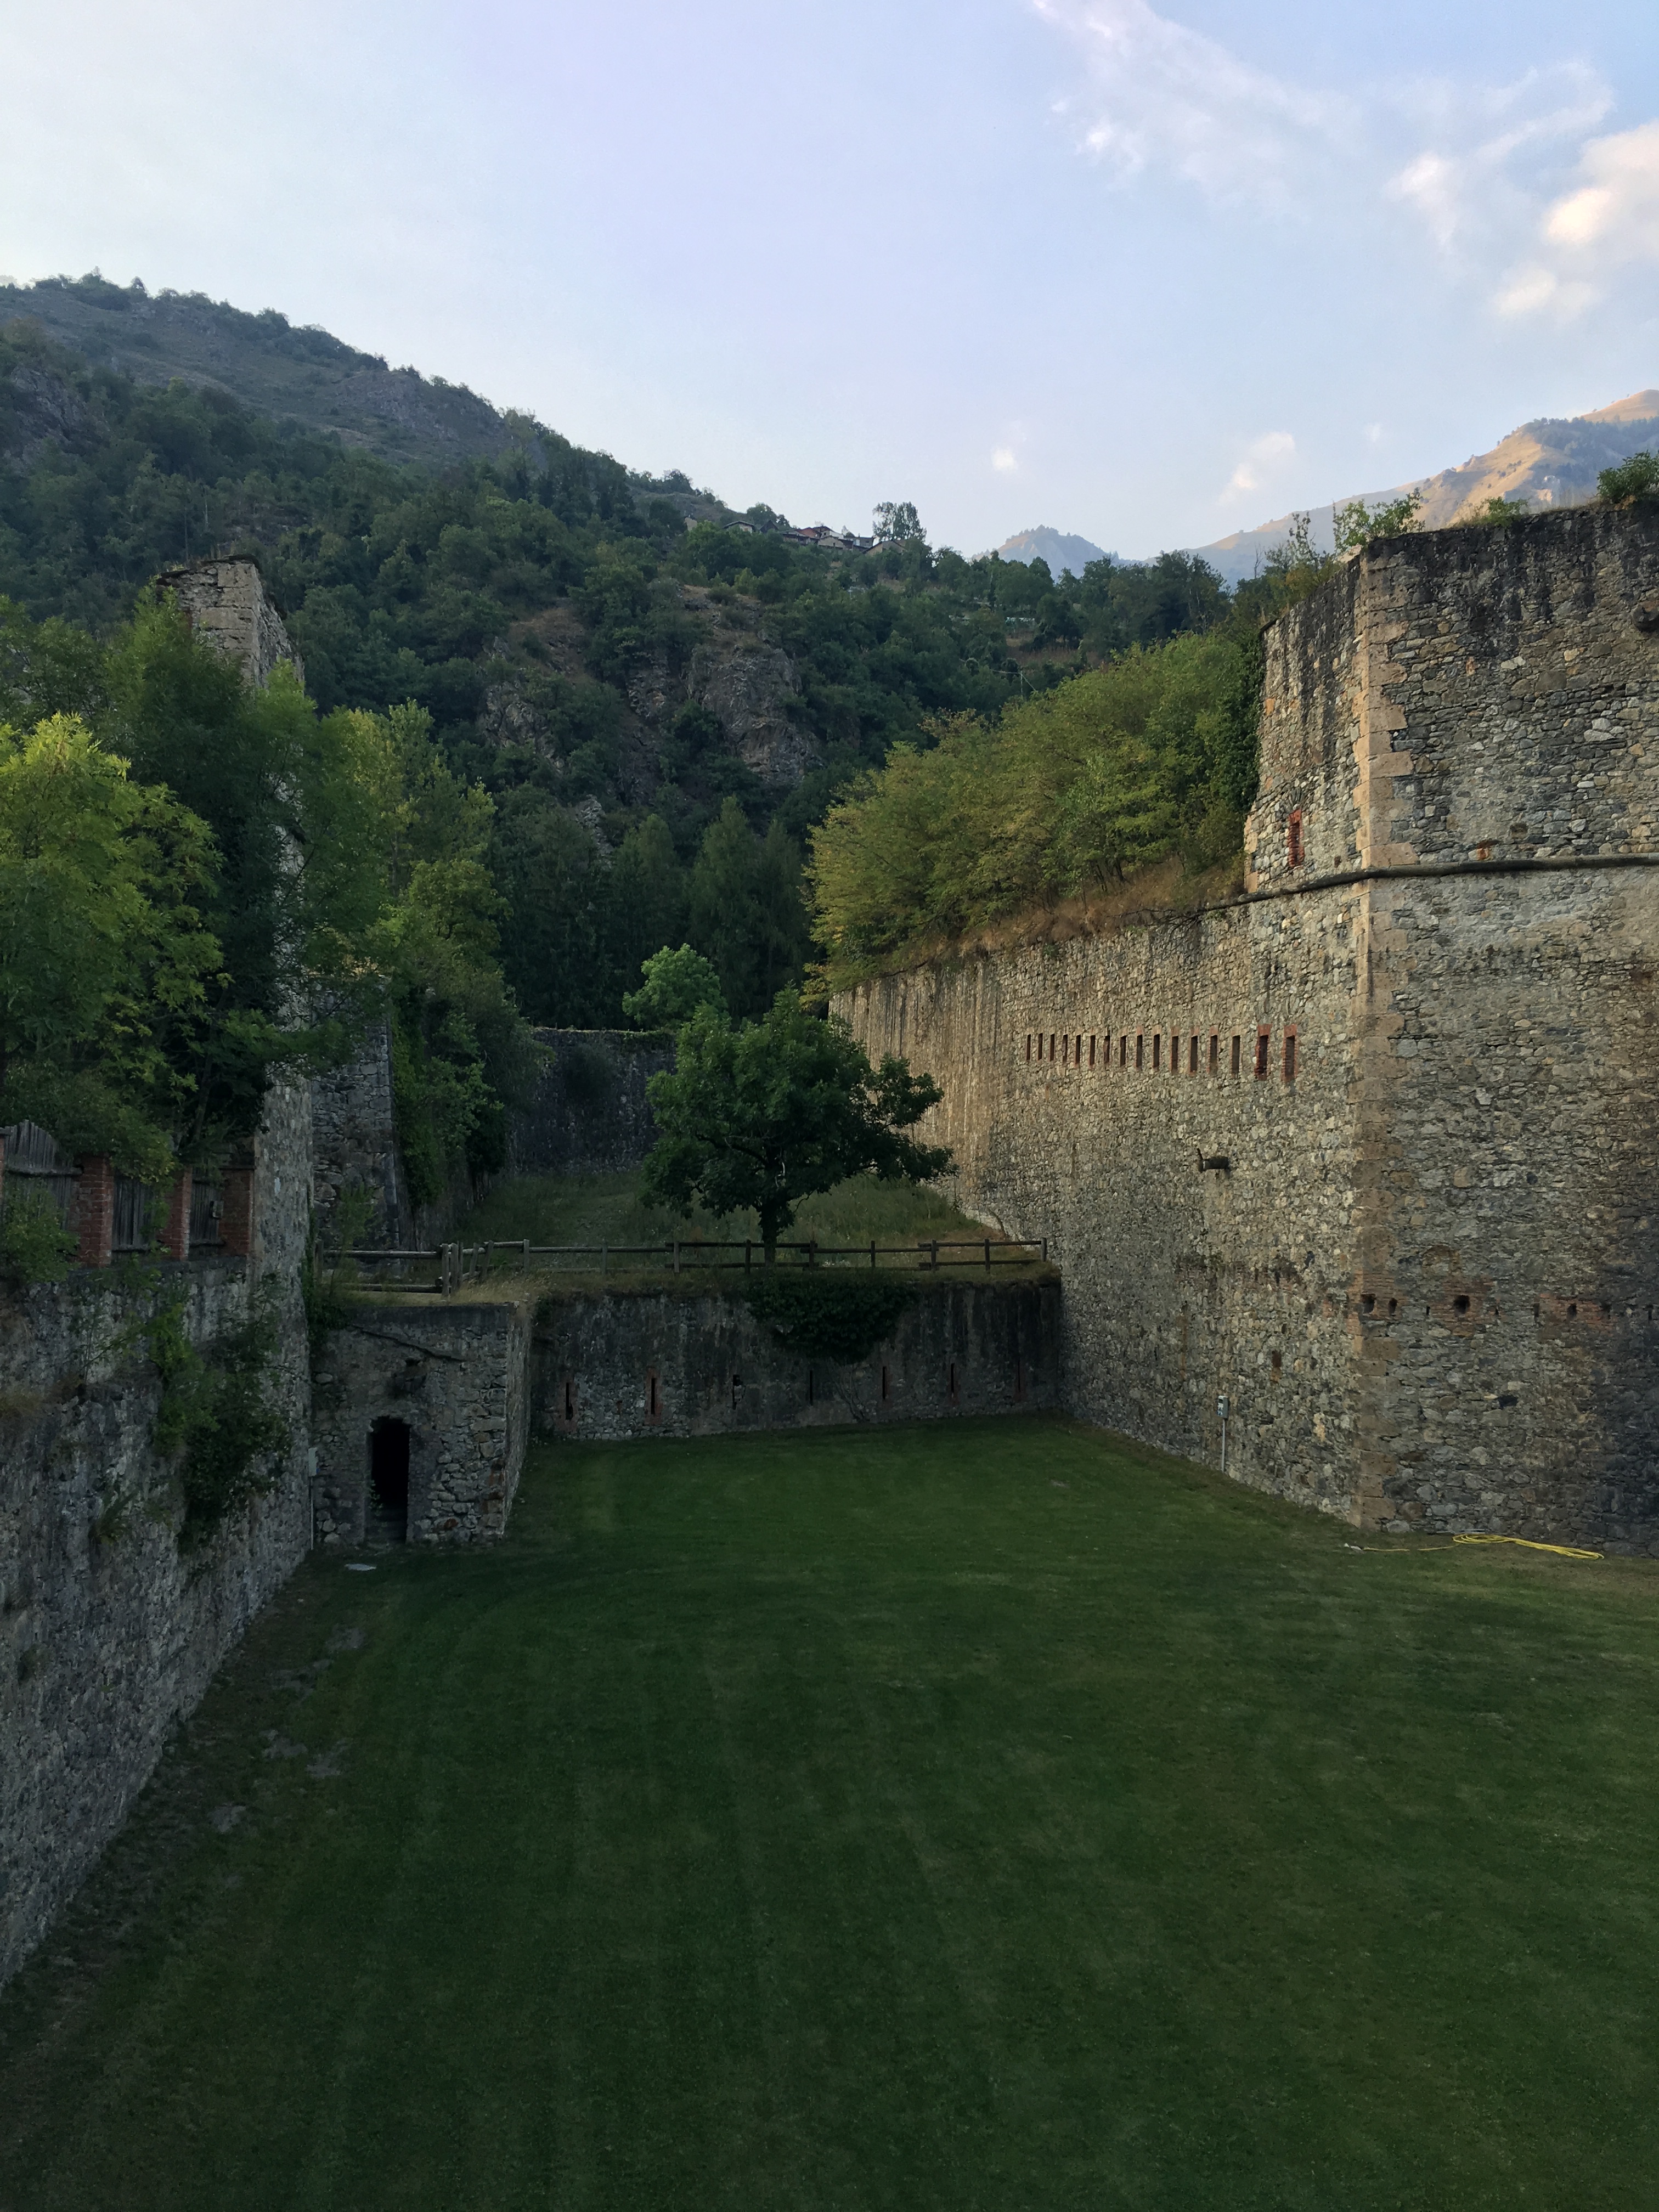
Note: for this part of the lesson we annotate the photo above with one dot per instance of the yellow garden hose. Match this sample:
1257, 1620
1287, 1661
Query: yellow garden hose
1564, 1551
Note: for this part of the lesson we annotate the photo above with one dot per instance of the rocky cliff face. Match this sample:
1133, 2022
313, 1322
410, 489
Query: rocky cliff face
730, 665
39, 408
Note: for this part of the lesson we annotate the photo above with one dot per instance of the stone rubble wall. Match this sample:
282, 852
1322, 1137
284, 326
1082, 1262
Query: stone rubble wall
1426, 1280
108, 1634
456, 1373
1483, 695
227, 605
355, 1143
661, 1363
588, 1114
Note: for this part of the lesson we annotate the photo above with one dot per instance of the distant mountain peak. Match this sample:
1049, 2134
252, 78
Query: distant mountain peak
1054, 546
1550, 462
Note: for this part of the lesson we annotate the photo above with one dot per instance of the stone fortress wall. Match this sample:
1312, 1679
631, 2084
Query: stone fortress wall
659, 1363
109, 1634
455, 1378
1423, 1043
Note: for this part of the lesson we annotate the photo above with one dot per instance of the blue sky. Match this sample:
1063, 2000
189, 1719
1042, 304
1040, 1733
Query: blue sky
1147, 274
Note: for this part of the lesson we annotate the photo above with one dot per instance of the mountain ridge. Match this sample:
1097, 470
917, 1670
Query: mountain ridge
1059, 549
1550, 461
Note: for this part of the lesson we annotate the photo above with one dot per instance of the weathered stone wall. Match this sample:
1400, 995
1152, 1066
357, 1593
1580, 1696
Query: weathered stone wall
589, 1114
229, 607
1425, 1279
1468, 696
108, 1635
659, 1363
356, 1145
456, 1373
227, 604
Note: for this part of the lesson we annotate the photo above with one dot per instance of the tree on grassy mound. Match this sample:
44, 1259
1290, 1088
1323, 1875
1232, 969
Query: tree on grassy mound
765, 1114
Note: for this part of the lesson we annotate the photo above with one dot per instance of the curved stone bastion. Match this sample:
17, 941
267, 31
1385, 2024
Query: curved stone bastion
1369, 1153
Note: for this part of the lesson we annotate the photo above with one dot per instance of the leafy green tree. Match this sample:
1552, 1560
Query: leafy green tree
896, 522
548, 868
765, 1114
644, 900
678, 985
746, 909
459, 1052
104, 964
1079, 788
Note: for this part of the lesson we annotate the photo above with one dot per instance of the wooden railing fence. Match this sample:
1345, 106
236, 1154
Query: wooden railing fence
459, 1263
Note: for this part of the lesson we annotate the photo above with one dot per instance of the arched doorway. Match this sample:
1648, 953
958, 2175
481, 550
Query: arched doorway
386, 1519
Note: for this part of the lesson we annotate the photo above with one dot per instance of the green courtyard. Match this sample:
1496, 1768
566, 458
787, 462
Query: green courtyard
978, 1815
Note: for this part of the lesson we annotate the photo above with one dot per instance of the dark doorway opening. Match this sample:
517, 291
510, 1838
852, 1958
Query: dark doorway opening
387, 1518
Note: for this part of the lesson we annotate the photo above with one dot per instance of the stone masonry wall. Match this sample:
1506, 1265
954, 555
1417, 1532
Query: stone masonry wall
355, 1142
589, 1114
457, 1374
108, 1635
1425, 1279
227, 604
665, 1364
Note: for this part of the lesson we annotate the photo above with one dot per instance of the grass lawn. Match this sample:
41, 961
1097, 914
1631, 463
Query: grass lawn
976, 1815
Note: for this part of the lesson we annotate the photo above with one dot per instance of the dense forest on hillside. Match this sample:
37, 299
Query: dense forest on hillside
660, 697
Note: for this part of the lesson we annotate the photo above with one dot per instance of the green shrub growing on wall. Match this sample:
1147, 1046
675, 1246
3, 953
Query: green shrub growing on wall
1636, 478
830, 1314
328, 1280
34, 1245
214, 1415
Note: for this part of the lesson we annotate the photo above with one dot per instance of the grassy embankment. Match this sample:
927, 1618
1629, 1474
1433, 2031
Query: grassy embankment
595, 1210
979, 1815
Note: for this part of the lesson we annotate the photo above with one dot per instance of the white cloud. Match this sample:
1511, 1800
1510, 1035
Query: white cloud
1472, 165
1003, 459
1166, 97
1617, 212
1609, 219
1469, 185
1262, 459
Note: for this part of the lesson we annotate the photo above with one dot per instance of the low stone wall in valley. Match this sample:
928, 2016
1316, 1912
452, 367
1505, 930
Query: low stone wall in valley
660, 1363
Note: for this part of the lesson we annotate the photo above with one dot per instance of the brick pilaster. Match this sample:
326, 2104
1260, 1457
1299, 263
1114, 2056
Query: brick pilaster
236, 1212
175, 1238
95, 1209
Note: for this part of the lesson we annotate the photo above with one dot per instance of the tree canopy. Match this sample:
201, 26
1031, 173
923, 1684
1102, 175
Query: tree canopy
763, 1114
105, 963
200, 883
